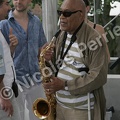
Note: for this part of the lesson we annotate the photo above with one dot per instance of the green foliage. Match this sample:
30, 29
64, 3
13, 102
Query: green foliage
37, 2
60, 3
102, 17
34, 2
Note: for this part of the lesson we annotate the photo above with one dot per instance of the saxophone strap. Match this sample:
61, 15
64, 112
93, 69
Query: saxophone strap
73, 39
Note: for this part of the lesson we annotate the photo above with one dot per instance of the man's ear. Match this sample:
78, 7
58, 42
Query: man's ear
88, 9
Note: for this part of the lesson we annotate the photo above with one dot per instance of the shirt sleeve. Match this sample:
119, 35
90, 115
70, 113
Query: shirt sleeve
42, 36
2, 65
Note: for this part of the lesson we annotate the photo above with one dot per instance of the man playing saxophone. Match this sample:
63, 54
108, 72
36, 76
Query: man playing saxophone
76, 51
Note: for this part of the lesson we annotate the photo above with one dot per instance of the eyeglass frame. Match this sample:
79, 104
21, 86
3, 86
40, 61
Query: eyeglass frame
69, 13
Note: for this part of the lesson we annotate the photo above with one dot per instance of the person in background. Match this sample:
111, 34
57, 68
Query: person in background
97, 27
76, 49
8, 104
29, 32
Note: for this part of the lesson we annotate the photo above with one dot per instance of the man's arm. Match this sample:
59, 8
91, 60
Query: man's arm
97, 75
101, 30
5, 104
13, 41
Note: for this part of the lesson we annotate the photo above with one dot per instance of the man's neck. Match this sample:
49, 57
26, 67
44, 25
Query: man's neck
20, 15
21, 18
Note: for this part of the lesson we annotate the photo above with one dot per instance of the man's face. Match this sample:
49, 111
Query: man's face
4, 9
21, 5
70, 23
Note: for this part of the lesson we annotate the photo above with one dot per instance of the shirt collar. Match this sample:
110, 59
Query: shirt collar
10, 16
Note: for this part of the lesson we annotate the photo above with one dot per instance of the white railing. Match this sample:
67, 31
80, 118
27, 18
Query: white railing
111, 89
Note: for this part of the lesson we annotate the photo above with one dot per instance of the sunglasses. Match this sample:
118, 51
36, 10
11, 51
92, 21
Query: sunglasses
67, 13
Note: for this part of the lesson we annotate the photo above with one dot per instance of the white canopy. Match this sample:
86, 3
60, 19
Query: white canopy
49, 17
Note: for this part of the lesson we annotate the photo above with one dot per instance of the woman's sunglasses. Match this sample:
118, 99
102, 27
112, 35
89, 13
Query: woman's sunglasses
67, 13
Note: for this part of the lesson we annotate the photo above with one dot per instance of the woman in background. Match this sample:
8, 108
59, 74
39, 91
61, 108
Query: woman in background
97, 27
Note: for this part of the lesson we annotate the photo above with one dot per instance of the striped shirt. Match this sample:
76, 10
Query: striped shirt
69, 71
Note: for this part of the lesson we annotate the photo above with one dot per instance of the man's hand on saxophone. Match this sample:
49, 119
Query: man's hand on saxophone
49, 52
53, 86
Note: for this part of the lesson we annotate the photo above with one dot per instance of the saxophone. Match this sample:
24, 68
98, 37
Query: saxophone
45, 109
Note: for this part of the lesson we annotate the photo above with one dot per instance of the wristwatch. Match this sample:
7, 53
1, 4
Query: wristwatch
66, 86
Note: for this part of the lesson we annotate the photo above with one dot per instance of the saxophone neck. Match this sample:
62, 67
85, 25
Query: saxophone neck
51, 44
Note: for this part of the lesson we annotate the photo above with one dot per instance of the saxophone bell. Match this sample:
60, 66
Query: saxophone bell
41, 108
45, 109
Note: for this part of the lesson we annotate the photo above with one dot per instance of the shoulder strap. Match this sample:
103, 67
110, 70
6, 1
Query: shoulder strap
73, 39
94, 26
